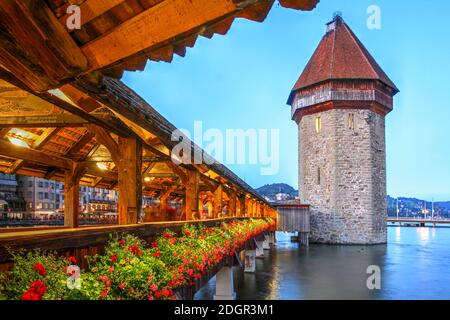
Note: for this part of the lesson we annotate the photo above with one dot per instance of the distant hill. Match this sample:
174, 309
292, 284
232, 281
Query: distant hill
271, 190
413, 206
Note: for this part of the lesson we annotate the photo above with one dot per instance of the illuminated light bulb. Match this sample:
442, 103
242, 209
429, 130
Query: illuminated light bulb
147, 179
102, 166
19, 143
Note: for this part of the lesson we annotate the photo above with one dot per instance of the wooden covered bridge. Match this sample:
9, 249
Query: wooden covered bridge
66, 116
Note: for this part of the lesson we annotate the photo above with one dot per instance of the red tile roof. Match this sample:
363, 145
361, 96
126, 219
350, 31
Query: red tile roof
340, 55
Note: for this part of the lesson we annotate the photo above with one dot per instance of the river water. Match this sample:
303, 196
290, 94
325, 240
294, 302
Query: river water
415, 264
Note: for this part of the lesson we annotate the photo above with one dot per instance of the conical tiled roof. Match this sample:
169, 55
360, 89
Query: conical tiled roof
340, 55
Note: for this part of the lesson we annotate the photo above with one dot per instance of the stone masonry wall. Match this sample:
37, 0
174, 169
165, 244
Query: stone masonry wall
348, 205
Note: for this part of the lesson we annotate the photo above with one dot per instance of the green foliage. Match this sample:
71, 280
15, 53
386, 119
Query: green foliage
129, 268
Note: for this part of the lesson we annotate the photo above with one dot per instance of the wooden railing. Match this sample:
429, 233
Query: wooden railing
84, 241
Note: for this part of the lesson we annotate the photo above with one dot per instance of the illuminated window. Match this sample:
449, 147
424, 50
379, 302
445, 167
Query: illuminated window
318, 175
351, 121
318, 124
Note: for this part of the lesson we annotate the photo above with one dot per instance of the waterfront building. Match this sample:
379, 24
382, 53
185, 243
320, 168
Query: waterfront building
46, 196
11, 200
339, 103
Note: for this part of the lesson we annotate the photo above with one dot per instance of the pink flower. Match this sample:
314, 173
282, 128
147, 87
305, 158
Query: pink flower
154, 287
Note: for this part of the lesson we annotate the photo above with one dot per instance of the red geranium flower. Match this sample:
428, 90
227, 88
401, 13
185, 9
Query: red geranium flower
156, 254
72, 260
135, 250
39, 267
166, 235
105, 293
121, 242
165, 292
113, 258
122, 286
30, 295
154, 244
187, 233
39, 287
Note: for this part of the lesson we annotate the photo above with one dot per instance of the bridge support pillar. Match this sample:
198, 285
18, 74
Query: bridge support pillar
272, 238
259, 249
250, 261
266, 242
225, 285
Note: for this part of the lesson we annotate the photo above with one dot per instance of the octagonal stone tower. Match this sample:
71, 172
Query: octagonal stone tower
339, 103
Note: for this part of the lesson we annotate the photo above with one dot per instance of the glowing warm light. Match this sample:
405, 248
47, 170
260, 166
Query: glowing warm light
147, 179
102, 166
18, 142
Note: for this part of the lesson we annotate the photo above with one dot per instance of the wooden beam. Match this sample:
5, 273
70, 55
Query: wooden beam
11, 151
232, 203
54, 120
191, 195
129, 168
51, 171
155, 26
35, 46
3, 132
299, 4
218, 202
80, 144
72, 195
38, 144
112, 126
107, 140
91, 9
178, 171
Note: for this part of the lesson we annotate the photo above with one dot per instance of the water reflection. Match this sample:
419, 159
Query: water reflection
414, 265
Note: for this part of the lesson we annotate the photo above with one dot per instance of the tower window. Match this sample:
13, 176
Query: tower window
318, 124
351, 121
318, 175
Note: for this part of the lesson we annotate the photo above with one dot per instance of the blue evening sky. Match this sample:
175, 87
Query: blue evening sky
243, 79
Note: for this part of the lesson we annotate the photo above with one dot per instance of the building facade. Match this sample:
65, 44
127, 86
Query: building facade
44, 196
339, 103
11, 200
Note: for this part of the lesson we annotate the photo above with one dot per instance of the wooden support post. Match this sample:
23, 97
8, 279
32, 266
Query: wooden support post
129, 167
218, 202
191, 199
163, 200
72, 195
232, 204
242, 205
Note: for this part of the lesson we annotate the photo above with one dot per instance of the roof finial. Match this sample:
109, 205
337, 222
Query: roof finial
337, 15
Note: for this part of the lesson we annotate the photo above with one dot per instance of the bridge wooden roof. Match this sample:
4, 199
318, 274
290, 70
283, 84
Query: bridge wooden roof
60, 89
115, 35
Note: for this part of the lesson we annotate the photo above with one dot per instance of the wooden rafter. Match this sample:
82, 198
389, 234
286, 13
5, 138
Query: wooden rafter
36, 46
38, 144
64, 105
91, 9
159, 24
107, 140
55, 120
